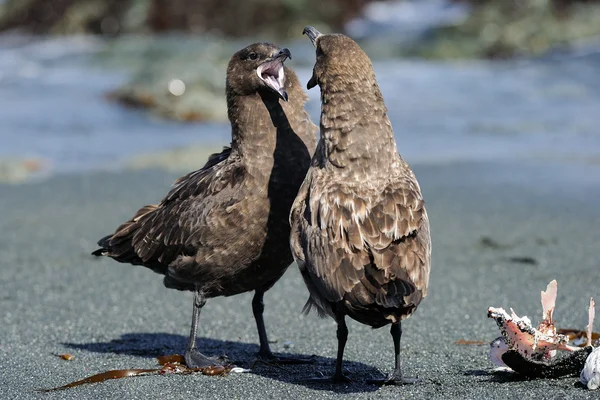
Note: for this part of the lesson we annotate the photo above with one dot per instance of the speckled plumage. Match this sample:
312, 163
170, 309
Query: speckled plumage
222, 230
360, 232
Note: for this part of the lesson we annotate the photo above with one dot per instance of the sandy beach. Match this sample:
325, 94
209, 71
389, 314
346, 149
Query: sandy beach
501, 231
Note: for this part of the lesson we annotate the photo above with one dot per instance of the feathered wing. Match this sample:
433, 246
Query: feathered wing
365, 247
158, 234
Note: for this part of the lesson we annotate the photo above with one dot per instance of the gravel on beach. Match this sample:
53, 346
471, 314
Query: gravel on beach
501, 231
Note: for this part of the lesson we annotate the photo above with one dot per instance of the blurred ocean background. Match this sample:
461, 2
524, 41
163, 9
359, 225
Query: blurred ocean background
462, 80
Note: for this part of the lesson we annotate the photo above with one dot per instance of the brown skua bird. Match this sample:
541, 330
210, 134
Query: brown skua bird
360, 232
223, 229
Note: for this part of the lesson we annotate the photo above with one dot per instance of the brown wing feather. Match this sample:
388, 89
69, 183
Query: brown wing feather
158, 234
369, 248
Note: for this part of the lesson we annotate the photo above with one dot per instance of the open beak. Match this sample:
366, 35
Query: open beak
313, 35
272, 74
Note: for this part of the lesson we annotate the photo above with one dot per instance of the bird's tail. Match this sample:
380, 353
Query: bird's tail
104, 244
311, 304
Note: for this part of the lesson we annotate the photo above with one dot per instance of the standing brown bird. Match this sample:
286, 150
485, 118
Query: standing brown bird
360, 232
223, 230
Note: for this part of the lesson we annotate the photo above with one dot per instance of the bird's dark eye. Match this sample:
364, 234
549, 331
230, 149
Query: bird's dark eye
253, 56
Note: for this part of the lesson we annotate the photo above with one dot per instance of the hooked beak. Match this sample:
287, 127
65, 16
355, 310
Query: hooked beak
271, 72
312, 34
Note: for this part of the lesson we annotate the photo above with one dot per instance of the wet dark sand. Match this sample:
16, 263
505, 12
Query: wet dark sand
500, 233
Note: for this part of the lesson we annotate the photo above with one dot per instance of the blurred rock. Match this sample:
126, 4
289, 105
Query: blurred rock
181, 78
64, 16
234, 18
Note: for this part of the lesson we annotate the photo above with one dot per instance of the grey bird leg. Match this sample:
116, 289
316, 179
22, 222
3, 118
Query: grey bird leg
396, 377
193, 357
258, 307
342, 336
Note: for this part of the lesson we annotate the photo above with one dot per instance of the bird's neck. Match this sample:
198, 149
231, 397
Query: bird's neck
356, 131
252, 132
266, 131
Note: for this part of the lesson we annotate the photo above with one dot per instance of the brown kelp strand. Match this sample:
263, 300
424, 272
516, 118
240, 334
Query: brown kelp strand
471, 342
171, 358
171, 364
104, 376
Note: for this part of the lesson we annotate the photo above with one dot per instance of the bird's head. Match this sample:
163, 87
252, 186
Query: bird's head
339, 58
256, 68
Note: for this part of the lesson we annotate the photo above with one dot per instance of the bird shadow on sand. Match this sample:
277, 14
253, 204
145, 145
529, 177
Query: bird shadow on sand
242, 355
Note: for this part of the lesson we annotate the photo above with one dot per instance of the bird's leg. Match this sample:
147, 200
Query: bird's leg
342, 336
193, 357
265, 354
395, 378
